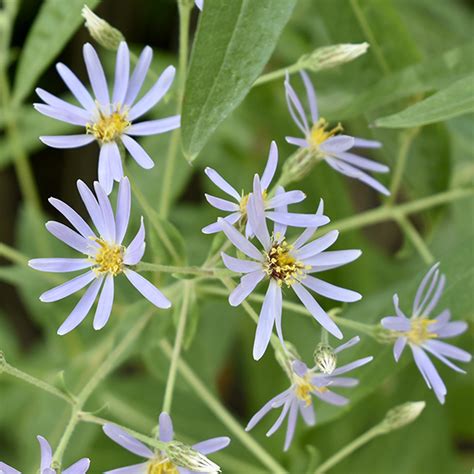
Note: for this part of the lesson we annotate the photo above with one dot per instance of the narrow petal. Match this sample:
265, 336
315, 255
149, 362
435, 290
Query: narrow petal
449, 350
331, 291
115, 161
61, 114
426, 310
166, 431
286, 198
133, 469
46, 453
68, 288
295, 107
352, 365
271, 166
297, 220
6, 469
67, 141
73, 217
279, 230
283, 396
308, 232
278, 311
60, 104
332, 398
398, 347
256, 214
299, 368
107, 213
280, 418
240, 266
96, 75
216, 227
149, 291
333, 259
443, 359
138, 75
154, 95
337, 144
134, 252
59, 265
221, 183
247, 284
421, 289
79, 467
396, 304
239, 240
300, 142
343, 381
138, 152
105, 175
307, 412
76, 87
363, 143
122, 72
69, 237
155, 127
92, 206
350, 343
450, 329
316, 311
265, 321
81, 309
395, 323
311, 93
106, 301
318, 245
122, 214
212, 445
441, 320
290, 430
364, 163
221, 204
122, 438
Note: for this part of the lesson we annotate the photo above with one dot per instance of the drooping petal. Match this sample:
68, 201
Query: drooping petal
92, 206
81, 309
138, 152
240, 266
311, 93
247, 284
154, 127
105, 175
122, 438
69, 237
239, 240
265, 321
60, 104
138, 75
149, 291
76, 87
134, 252
61, 114
280, 418
73, 217
107, 213
316, 311
352, 365
270, 167
96, 75
79, 467
122, 213
221, 204
398, 347
165, 425
68, 288
46, 453
350, 343
67, 141
106, 301
212, 445
337, 144
154, 95
221, 183
318, 245
122, 71
290, 430
59, 265
283, 396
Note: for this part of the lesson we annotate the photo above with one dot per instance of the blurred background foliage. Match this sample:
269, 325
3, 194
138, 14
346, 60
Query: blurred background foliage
417, 48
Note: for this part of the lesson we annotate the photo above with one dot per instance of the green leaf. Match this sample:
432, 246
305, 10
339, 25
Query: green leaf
455, 100
233, 43
54, 25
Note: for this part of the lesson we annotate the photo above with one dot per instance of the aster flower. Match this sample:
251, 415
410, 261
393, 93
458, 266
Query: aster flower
285, 265
105, 257
110, 121
159, 461
423, 334
306, 383
80, 467
335, 149
238, 209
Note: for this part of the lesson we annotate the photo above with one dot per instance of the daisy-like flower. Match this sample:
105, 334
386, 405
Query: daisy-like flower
110, 121
423, 334
80, 467
284, 265
334, 148
159, 462
306, 383
105, 257
238, 209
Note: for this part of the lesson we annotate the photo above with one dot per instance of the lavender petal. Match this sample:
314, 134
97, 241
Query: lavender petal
216, 227
96, 75
299, 142
333, 259
450, 329
395, 323
332, 398
122, 213
138, 152
67, 141
122, 438
331, 291
73, 217
115, 161
76, 87
61, 114
239, 240
133, 469
449, 350
240, 266
79, 467
155, 127
350, 343
265, 321
59, 265
138, 75
290, 430
283, 396
247, 284
429, 372
149, 291
308, 233
92, 206
106, 301
318, 245
105, 175
221, 204
60, 104
363, 143
256, 214
280, 418
46, 453
165, 425
107, 212
286, 198
122, 72
398, 347
337, 144
271, 166
352, 365
297, 220
65, 289
221, 183
212, 445
69, 237
364, 163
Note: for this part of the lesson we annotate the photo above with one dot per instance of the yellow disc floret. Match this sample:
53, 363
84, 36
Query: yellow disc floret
304, 388
282, 266
161, 466
109, 258
109, 127
245, 199
419, 331
320, 133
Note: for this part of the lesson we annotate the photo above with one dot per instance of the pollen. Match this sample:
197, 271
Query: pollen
109, 127
419, 331
304, 388
109, 258
282, 266
245, 199
320, 132
161, 466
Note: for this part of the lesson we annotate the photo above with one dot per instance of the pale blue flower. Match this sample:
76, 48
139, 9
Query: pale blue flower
422, 334
238, 208
306, 383
334, 148
105, 255
110, 120
79, 467
157, 458
285, 265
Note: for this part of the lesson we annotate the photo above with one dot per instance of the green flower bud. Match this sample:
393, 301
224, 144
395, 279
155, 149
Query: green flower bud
401, 415
324, 358
105, 34
184, 456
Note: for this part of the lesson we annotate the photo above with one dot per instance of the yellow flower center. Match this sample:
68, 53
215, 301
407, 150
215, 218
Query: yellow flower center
109, 258
245, 199
320, 132
109, 127
282, 266
419, 331
304, 388
161, 466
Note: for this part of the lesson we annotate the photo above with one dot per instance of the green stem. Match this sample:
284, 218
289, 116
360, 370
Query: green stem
12, 254
178, 342
279, 73
193, 270
416, 239
218, 409
184, 18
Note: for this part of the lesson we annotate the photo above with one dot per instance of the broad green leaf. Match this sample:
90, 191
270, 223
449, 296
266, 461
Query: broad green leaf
455, 100
233, 43
54, 25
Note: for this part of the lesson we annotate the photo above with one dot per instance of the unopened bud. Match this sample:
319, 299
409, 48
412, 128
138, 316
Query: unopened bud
184, 456
331, 56
105, 34
324, 358
401, 415
298, 165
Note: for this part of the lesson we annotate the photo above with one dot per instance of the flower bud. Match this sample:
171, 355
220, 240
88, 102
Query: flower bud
401, 415
298, 165
184, 456
105, 34
331, 56
324, 358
